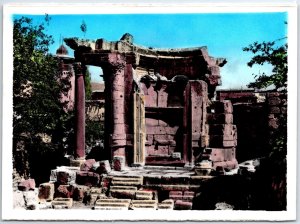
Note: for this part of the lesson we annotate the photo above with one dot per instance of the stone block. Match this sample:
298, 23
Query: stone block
162, 99
175, 195
227, 165
274, 110
79, 192
102, 167
223, 107
64, 191
213, 118
149, 140
150, 179
217, 154
87, 178
189, 193
119, 163
283, 110
64, 175
183, 205
166, 204
229, 154
151, 122
46, 192
144, 195
31, 199
127, 180
62, 203
26, 185
87, 165
273, 94
273, 123
105, 181
112, 204
274, 101
18, 200
143, 204
76, 162
124, 192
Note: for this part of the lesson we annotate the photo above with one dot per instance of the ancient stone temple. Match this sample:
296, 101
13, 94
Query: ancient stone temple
158, 105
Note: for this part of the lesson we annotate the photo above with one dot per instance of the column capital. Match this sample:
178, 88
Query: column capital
116, 62
79, 68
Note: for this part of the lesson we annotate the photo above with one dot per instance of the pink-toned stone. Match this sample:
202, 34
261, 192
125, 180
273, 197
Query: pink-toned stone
26, 185
64, 191
224, 106
87, 178
162, 98
87, 165
79, 111
119, 163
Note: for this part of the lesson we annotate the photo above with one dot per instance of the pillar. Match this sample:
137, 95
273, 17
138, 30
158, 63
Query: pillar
79, 111
115, 74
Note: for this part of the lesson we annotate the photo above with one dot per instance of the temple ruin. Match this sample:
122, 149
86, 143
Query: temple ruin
158, 105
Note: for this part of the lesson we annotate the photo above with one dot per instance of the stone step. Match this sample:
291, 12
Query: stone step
127, 180
166, 204
144, 195
143, 204
60, 203
127, 192
112, 204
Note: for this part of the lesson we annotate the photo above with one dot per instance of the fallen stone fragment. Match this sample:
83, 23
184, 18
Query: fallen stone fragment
87, 165
223, 206
46, 192
119, 163
102, 167
18, 200
79, 192
183, 205
87, 178
26, 185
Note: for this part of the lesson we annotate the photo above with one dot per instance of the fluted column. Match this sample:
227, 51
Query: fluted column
79, 111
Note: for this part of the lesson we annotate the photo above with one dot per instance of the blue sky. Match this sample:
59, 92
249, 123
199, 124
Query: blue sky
225, 34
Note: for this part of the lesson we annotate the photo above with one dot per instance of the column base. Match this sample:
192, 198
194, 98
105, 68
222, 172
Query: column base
77, 162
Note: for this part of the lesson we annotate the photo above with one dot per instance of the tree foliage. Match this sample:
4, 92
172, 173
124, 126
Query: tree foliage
83, 27
269, 53
88, 86
40, 119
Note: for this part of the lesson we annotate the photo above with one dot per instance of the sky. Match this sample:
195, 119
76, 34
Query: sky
225, 34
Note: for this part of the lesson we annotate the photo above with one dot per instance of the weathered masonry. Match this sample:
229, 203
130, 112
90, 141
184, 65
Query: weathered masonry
158, 108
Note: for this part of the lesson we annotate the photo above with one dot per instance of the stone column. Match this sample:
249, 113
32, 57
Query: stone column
115, 75
79, 111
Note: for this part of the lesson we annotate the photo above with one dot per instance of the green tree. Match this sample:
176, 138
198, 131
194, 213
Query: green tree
83, 27
40, 120
269, 53
271, 177
88, 86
